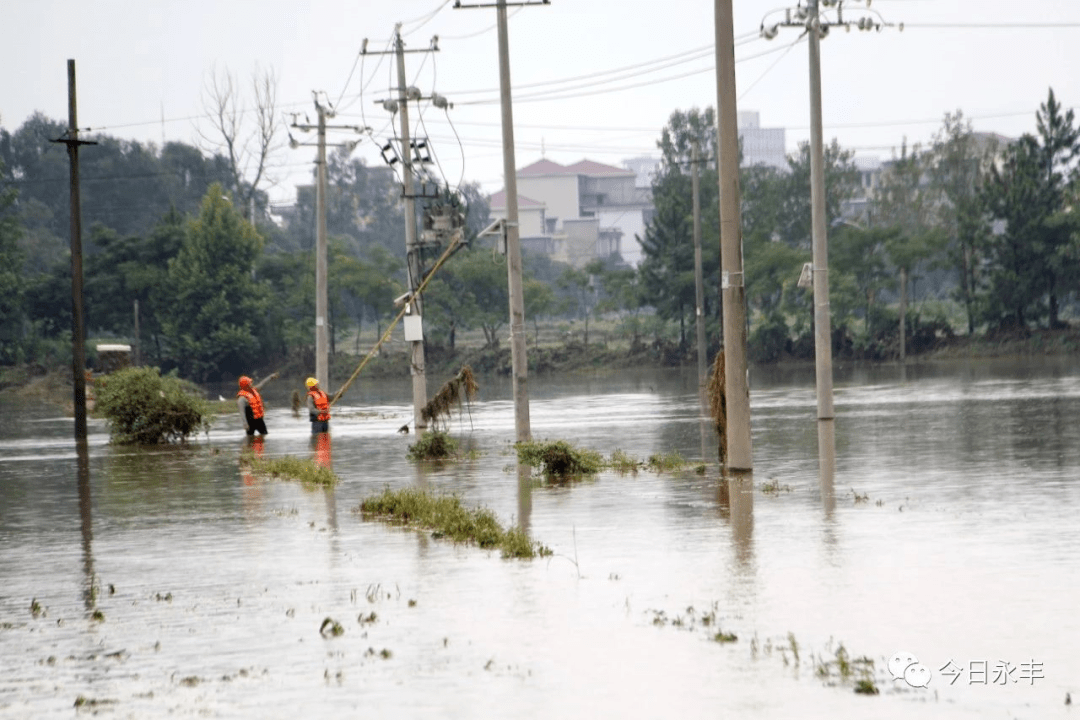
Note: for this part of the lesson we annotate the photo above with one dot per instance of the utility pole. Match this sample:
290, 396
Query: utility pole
699, 281
413, 243
809, 18
412, 246
78, 323
736, 385
518, 357
322, 352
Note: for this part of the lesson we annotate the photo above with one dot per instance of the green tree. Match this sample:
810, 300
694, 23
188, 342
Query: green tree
469, 291
957, 170
216, 321
12, 311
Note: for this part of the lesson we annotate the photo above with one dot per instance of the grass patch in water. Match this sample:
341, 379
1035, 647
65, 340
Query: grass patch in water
446, 517
433, 445
665, 462
308, 472
559, 459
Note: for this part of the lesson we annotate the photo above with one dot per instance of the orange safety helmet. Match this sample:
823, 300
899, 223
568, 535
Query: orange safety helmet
245, 381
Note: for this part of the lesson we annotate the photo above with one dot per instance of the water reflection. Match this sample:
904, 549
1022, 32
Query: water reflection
827, 465
739, 486
524, 496
86, 520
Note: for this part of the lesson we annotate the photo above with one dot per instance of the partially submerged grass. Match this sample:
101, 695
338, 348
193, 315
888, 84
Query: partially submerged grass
623, 463
559, 459
308, 472
445, 516
665, 462
433, 445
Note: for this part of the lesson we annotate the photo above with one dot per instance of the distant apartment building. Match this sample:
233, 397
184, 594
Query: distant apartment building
761, 146
575, 213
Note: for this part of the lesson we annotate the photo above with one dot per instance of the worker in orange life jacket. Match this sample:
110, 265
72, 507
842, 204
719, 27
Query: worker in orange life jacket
250, 403
318, 404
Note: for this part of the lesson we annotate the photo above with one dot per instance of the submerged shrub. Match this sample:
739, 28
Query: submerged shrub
558, 458
145, 408
433, 445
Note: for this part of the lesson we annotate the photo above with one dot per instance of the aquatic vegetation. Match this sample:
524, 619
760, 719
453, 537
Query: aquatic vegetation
145, 408
308, 472
367, 619
97, 616
773, 487
623, 463
331, 628
725, 637
860, 498
446, 517
866, 686
558, 458
433, 445
36, 610
665, 462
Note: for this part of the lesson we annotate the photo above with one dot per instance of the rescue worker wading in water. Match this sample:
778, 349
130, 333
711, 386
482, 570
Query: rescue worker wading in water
318, 405
250, 403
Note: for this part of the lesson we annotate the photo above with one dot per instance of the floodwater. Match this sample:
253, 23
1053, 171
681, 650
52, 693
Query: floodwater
944, 540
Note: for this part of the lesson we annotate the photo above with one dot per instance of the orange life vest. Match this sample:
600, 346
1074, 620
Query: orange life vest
254, 400
322, 403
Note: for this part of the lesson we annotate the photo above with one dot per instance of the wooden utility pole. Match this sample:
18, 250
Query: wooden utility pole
699, 280
736, 386
78, 324
518, 353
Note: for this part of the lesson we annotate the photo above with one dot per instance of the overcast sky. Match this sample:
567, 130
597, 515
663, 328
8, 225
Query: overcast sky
593, 79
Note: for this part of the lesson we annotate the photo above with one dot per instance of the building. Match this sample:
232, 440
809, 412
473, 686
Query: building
576, 213
761, 146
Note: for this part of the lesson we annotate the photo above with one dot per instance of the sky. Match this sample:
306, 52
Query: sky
595, 79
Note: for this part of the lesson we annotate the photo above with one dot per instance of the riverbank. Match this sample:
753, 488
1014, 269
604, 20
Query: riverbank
54, 385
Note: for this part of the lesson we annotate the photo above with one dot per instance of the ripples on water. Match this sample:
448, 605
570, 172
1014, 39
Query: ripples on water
948, 530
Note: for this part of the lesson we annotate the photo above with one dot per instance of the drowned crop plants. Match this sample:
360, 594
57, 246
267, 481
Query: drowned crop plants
558, 459
446, 517
433, 445
308, 472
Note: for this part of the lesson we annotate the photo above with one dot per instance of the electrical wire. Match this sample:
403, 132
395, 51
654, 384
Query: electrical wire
773, 64
484, 31
424, 19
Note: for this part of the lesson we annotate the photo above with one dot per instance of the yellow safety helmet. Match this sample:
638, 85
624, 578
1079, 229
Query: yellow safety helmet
311, 382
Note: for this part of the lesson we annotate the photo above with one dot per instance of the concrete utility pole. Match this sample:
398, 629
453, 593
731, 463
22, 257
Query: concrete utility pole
412, 246
699, 281
822, 318
78, 323
737, 388
322, 304
322, 359
518, 354
810, 20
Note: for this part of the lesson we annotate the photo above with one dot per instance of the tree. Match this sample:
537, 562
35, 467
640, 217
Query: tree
246, 139
216, 321
12, 313
906, 203
469, 291
957, 170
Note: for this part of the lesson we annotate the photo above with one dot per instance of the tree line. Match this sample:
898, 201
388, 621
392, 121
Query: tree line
981, 233
982, 230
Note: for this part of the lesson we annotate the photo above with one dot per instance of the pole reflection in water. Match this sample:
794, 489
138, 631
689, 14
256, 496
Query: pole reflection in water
86, 517
827, 465
736, 495
524, 474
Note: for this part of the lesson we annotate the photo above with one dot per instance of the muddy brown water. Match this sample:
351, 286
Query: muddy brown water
947, 531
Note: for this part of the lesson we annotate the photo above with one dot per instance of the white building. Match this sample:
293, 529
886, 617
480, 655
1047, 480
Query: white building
579, 212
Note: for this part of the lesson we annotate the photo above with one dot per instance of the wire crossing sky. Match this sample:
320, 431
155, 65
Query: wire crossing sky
594, 79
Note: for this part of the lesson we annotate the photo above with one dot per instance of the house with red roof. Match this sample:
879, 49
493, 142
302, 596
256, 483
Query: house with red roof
576, 213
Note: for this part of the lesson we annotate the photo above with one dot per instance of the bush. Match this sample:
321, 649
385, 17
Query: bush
144, 408
433, 445
559, 458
